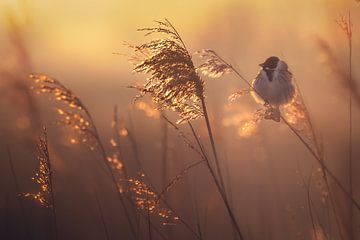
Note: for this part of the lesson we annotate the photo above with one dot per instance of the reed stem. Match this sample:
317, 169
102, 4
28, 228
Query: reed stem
218, 185
102, 216
18, 192
208, 126
113, 178
350, 129
307, 146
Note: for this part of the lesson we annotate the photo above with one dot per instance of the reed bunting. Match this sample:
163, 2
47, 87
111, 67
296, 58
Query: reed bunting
273, 85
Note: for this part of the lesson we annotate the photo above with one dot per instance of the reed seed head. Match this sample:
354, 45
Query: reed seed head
173, 82
43, 176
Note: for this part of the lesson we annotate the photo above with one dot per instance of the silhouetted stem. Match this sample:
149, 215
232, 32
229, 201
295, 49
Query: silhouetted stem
18, 192
350, 131
316, 157
113, 178
102, 216
208, 126
218, 185
51, 171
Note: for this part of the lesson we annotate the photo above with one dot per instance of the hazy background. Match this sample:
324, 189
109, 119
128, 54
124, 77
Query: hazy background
74, 41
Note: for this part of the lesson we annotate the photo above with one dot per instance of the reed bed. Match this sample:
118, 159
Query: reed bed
174, 97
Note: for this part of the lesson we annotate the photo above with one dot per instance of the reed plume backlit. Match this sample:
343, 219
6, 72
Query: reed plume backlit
296, 114
43, 175
74, 114
146, 199
115, 159
213, 66
173, 83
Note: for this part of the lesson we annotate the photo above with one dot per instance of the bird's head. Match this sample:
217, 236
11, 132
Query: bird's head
270, 63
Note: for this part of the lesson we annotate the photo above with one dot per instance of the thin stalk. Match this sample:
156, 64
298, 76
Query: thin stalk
164, 146
307, 186
186, 225
307, 146
320, 154
345, 25
148, 216
133, 143
218, 185
198, 223
124, 170
178, 177
53, 206
113, 178
102, 216
135, 149
318, 159
350, 131
208, 126
151, 223
18, 192
6, 217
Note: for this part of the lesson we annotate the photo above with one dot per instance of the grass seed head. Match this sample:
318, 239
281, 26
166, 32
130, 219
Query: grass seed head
173, 82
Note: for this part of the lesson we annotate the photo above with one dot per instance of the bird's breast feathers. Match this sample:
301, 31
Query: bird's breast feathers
280, 90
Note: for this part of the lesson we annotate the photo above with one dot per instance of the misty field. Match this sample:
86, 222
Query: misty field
182, 120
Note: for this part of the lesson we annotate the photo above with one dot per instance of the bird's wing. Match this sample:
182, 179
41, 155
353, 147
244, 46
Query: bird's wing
282, 73
260, 80
260, 87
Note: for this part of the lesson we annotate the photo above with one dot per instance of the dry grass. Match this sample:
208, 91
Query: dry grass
174, 84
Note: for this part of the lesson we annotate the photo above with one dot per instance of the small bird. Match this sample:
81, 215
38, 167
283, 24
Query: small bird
273, 85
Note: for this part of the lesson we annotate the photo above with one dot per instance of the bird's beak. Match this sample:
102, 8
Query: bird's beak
261, 64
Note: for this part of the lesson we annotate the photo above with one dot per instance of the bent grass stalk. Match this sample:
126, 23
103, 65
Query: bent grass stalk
106, 231
84, 125
301, 138
44, 179
174, 84
18, 192
150, 188
345, 25
218, 184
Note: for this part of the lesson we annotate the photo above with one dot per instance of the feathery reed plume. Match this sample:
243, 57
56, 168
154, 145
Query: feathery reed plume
297, 115
347, 82
146, 199
268, 114
297, 118
45, 195
214, 66
131, 192
346, 26
81, 121
238, 94
42, 177
74, 114
173, 83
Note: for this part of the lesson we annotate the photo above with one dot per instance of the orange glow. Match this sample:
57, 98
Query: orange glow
149, 111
